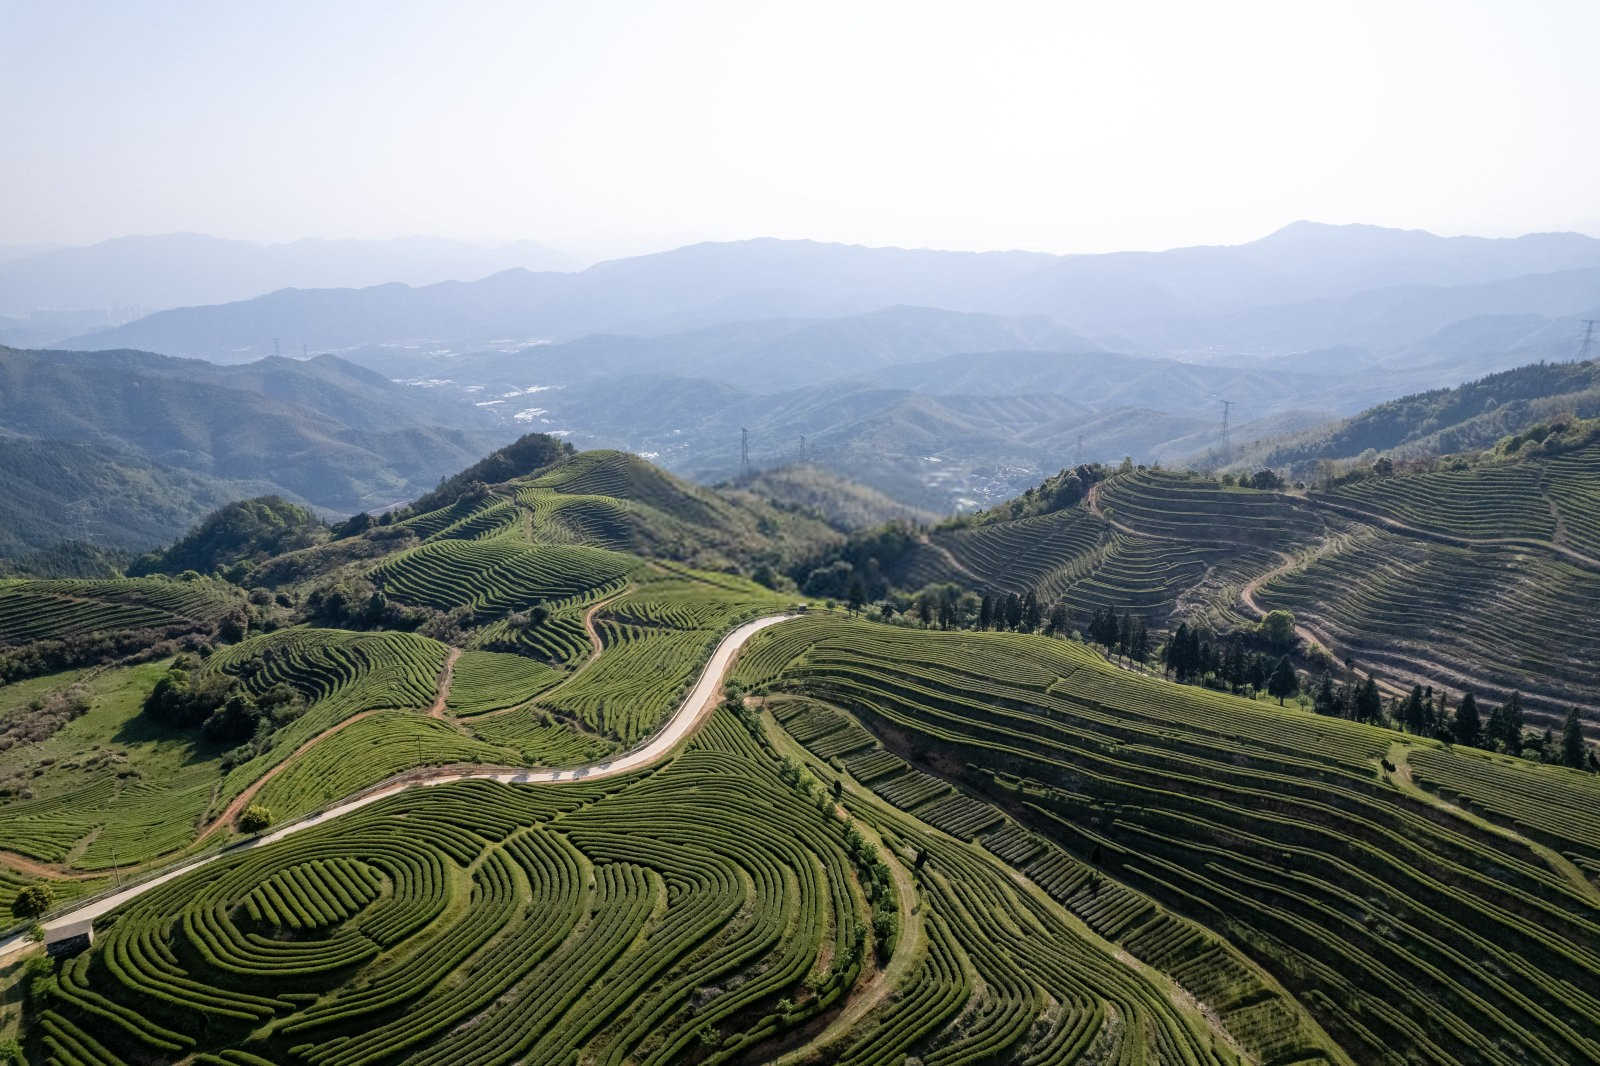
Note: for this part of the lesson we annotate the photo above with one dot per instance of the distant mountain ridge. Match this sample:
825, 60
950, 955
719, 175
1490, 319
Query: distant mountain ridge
170, 439
185, 269
1126, 300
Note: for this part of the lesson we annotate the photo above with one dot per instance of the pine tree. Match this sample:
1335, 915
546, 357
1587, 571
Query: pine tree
1572, 741
1443, 726
1468, 728
986, 612
1413, 716
1031, 616
1013, 611
1233, 671
1283, 683
1172, 659
1326, 701
1256, 675
1369, 705
1511, 717
1141, 641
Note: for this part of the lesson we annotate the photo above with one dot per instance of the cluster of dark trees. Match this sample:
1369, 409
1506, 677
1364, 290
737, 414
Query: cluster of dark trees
1426, 713
863, 558
1229, 664
356, 603
221, 707
1266, 480
1020, 614
1126, 636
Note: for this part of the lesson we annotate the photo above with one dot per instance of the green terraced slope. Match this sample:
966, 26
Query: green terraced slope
1466, 580
1401, 927
886, 845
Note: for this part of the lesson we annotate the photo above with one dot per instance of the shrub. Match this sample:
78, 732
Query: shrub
32, 901
254, 819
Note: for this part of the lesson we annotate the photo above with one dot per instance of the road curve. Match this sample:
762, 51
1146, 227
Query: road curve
696, 706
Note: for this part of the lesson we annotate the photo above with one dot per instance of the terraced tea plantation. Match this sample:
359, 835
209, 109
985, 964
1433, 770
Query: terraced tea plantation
1460, 579
511, 781
1400, 928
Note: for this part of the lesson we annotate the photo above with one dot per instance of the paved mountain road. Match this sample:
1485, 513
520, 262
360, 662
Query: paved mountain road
700, 702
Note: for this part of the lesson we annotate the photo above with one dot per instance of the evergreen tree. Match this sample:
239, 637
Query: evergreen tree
1233, 670
1173, 658
1511, 719
986, 612
1443, 726
1369, 705
1413, 715
1256, 676
1031, 615
1058, 620
1325, 701
1283, 683
858, 596
1141, 642
1572, 741
1468, 727
1013, 611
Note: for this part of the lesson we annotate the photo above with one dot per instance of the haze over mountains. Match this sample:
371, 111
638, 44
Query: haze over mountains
47, 294
1305, 287
948, 380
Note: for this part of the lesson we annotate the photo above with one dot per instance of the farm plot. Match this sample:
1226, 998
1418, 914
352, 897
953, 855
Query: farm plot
699, 911
342, 674
1403, 930
48, 610
497, 576
656, 638
1481, 503
1193, 508
1494, 619
490, 681
1042, 554
1256, 1015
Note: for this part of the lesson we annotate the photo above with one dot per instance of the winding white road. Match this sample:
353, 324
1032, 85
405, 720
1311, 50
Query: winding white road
696, 706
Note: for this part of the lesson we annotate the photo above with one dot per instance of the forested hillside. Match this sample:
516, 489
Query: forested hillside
1442, 421
127, 449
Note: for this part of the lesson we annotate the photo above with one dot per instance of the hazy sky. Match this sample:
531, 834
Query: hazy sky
612, 127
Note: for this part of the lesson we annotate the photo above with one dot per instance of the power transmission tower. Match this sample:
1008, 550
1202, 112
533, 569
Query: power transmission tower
276, 350
1588, 338
744, 451
802, 447
1227, 448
